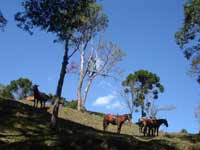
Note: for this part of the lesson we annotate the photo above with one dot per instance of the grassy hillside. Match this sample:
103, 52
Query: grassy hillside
24, 128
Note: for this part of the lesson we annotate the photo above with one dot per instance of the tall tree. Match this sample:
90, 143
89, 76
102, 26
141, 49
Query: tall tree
95, 21
61, 17
188, 36
143, 87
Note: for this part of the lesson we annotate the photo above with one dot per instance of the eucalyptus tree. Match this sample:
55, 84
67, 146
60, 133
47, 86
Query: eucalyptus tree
102, 62
60, 17
95, 21
142, 86
188, 36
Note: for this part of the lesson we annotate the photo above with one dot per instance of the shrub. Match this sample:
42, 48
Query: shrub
72, 104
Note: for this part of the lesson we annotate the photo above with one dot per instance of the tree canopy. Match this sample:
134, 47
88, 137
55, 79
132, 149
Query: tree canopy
143, 86
188, 36
61, 17
20, 88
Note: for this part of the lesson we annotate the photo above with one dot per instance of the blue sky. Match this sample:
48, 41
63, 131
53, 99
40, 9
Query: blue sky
143, 29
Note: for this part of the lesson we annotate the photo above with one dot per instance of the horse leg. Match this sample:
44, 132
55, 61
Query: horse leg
36, 103
119, 128
105, 124
44, 103
144, 131
41, 104
148, 131
157, 129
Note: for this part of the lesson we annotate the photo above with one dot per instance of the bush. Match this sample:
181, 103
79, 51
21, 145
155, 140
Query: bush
72, 104
5, 93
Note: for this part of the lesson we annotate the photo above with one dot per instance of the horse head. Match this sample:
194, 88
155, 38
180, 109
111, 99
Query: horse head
165, 122
35, 88
129, 117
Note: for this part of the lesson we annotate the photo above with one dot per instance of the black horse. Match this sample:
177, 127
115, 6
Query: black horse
39, 97
159, 122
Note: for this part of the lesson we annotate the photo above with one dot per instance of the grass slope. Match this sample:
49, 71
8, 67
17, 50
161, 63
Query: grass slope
24, 128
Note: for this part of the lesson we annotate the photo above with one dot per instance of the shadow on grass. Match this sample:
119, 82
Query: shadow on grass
24, 128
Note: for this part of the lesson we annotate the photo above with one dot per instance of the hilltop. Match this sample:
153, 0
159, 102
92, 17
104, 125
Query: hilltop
23, 127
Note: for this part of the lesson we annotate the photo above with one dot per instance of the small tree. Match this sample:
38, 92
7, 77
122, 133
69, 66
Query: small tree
20, 88
143, 87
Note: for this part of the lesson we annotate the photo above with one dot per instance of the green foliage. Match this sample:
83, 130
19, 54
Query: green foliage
2, 87
143, 85
61, 17
5, 93
72, 104
184, 131
188, 37
20, 88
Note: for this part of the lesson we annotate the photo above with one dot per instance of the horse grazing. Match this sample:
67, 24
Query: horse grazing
115, 120
39, 97
159, 122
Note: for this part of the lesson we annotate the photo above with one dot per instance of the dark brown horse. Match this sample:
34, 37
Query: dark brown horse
159, 122
151, 125
115, 120
39, 97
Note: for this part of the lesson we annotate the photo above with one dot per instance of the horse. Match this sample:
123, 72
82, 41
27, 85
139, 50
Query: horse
159, 122
140, 125
39, 97
149, 125
115, 120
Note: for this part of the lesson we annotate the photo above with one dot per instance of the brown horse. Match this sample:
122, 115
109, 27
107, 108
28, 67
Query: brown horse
39, 97
151, 125
116, 120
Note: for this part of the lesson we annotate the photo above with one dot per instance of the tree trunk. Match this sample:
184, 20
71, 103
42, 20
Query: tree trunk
143, 114
86, 91
81, 77
54, 118
63, 70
